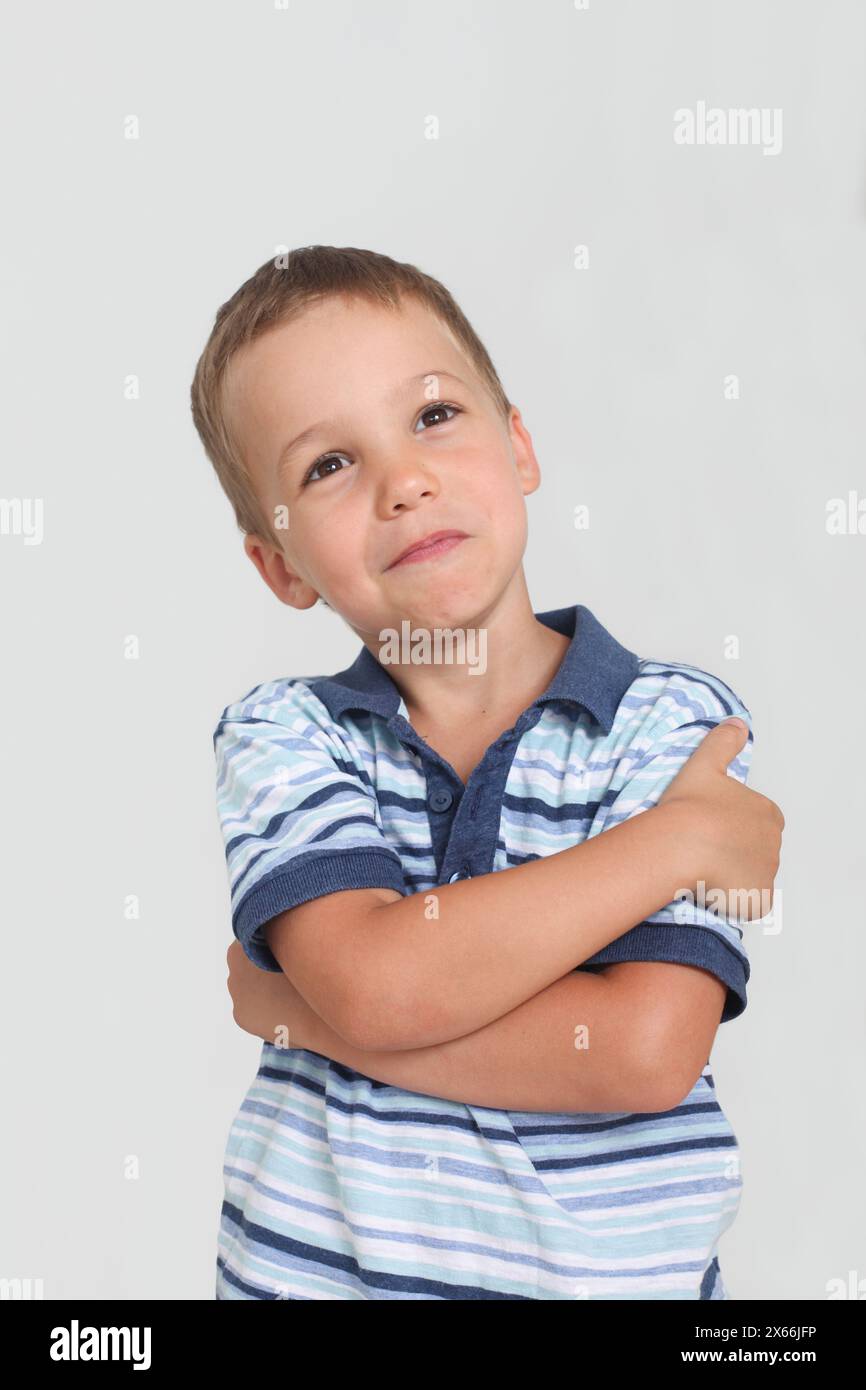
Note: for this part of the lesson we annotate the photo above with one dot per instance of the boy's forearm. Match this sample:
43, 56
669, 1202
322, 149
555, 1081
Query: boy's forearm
500, 939
567, 1049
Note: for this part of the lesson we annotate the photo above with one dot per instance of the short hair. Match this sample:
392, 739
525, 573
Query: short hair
279, 291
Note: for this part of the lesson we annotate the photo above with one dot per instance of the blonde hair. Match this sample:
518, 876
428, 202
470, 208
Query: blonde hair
279, 291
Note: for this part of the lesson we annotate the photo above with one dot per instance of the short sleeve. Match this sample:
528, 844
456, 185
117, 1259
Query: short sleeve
682, 932
299, 819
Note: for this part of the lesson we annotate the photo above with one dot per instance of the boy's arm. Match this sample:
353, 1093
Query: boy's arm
373, 963
588, 1043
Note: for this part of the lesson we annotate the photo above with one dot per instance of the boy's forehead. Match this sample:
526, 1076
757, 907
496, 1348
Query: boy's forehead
337, 342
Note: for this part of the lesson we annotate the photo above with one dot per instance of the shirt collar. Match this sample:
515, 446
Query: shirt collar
595, 672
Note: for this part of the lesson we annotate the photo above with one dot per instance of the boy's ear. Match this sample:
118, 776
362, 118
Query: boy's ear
524, 452
270, 562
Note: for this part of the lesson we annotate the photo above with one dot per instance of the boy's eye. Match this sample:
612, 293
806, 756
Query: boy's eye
438, 408
320, 463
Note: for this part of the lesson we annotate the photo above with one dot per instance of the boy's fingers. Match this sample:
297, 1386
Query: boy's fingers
722, 743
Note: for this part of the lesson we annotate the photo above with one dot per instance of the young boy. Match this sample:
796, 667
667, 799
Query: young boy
474, 1083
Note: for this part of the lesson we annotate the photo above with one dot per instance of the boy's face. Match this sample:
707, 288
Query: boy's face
365, 380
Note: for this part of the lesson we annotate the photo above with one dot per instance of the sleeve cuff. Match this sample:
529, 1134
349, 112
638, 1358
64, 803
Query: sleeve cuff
683, 945
310, 875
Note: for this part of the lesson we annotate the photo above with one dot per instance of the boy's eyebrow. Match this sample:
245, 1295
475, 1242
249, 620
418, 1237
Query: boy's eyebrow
307, 434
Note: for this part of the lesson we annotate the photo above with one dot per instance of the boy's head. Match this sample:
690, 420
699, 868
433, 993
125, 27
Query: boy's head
403, 416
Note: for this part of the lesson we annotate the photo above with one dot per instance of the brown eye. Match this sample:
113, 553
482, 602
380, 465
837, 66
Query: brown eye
320, 463
438, 409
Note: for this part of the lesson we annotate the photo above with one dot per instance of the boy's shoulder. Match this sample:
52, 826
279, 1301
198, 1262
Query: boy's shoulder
288, 700
669, 694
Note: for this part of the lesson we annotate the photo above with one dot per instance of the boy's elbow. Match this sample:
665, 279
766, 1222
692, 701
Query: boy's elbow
661, 1083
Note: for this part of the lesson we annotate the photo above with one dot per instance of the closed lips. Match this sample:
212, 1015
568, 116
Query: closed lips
426, 542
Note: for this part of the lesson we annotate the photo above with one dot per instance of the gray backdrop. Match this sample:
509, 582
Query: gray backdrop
256, 127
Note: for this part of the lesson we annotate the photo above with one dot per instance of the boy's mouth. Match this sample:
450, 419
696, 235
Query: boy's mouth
437, 543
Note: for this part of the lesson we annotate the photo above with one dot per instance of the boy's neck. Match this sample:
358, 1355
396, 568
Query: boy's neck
522, 656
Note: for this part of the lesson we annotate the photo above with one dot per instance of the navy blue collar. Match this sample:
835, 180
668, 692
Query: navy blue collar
595, 673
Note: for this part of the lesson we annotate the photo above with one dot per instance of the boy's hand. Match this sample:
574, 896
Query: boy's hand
266, 1003
735, 831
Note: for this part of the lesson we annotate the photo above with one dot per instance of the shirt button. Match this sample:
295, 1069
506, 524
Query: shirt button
440, 799
461, 873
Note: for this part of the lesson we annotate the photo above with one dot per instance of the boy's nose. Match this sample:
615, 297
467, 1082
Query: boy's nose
405, 483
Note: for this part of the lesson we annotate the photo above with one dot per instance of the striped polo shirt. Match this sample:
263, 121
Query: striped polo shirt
338, 1186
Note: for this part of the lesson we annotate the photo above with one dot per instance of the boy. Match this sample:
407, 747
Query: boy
496, 1083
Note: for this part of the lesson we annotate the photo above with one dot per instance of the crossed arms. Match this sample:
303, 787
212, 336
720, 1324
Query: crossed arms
516, 1026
